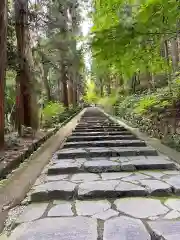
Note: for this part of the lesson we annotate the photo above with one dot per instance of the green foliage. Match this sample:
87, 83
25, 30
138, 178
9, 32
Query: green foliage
51, 113
127, 36
90, 94
10, 91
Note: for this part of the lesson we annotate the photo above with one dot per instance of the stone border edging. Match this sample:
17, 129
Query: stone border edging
154, 142
9, 167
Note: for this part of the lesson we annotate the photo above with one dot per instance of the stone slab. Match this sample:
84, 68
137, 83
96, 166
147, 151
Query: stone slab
90, 208
125, 228
166, 230
106, 214
105, 143
135, 151
32, 212
157, 187
71, 228
100, 137
141, 207
71, 153
53, 190
102, 166
153, 164
135, 177
155, 174
173, 204
57, 177
63, 209
172, 215
98, 133
64, 168
110, 188
127, 166
114, 175
84, 177
174, 181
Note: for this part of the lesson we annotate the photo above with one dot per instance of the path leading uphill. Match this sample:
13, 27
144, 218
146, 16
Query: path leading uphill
104, 184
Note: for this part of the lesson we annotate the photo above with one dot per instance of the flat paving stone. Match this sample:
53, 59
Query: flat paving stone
71, 152
135, 177
110, 188
172, 215
174, 181
64, 168
97, 188
32, 212
63, 209
71, 228
98, 133
141, 207
102, 166
105, 143
106, 214
157, 187
153, 164
84, 177
172, 172
53, 190
90, 208
57, 177
154, 174
173, 204
119, 159
125, 228
100, 137
166, 230
126, 166
114, 175
135, 151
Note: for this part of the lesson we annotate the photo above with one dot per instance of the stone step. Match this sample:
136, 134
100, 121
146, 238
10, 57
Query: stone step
97, 125
113, 164
100, 137
115, 143
100, 219
105, 152
97, 133
99, 129
135, 185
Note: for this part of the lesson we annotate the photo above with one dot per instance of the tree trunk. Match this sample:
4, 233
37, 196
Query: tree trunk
109, 87
70, 92
168, 63
175, 55
46, 84
28, 115
3, 55
65, 89
75, 94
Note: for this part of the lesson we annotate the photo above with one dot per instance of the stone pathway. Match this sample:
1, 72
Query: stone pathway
105, 184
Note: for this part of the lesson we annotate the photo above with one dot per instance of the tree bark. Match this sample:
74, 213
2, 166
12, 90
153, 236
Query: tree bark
3, 56
65, 89
175, 55
28, 110
70, 92
46, 84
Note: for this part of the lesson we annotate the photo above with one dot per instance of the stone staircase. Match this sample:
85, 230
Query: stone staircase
104, 184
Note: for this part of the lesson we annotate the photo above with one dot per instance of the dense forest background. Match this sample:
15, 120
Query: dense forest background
133, 71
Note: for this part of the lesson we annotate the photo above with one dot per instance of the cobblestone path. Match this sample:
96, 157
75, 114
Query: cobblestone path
104, 184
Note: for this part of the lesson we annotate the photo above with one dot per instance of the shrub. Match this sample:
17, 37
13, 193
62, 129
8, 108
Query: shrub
51, 113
